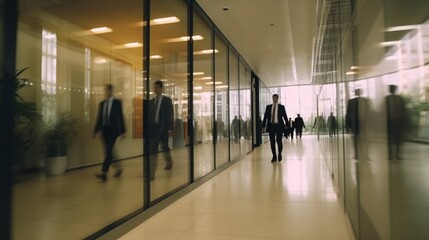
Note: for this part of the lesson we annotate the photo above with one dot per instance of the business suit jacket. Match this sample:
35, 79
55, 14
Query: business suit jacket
165, 118
281, 117
356, 114
116, 118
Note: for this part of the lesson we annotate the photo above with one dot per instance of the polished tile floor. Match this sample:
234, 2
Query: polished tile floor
257, 199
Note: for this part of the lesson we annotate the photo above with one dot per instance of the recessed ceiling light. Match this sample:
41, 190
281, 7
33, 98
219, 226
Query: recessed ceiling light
402, 28
155, 57
133, 45
99, 30
100, 60
211, 83
206, 51
195, 37
349, 73
166, 20
183, 39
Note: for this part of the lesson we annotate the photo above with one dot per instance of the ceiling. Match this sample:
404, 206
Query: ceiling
274, 36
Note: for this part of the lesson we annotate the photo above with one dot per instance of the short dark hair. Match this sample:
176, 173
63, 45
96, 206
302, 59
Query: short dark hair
275, 95
109, 87
158, 83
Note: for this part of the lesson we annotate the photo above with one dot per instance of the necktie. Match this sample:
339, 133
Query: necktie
106, 113
274, 113
155, 109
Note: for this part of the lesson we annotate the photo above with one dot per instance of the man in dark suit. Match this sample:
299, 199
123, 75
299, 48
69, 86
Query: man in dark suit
396, 122
110, 122
274, 123
356, 123
299, 124
161, 126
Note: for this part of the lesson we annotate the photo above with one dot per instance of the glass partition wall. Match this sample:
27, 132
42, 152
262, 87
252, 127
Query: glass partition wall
72, 50
376, 88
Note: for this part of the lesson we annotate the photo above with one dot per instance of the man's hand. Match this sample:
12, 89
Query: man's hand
170, 133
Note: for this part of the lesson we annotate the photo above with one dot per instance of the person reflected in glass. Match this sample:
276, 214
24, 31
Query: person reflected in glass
161, 118
274, 123
332, 125
220, 127
235, 125
396, 122
356, 123
110, 122
299, 124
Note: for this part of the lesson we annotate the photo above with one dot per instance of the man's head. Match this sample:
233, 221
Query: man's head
358, 92
297, 115
158, 87
392, 89
108, 90
275, 98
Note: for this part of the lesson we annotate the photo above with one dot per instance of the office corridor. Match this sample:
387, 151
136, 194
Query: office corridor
256, 199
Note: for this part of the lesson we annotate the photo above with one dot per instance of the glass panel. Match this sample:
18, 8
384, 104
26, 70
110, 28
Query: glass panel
245, 109
203, 97
234, 105
168, 50
265, 99
72, 50
221, 102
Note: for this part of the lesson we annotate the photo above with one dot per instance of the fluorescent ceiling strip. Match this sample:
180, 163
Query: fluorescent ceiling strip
183, 39
211, 83
402, 28
155, 57
133, 45
100, 30
166, 20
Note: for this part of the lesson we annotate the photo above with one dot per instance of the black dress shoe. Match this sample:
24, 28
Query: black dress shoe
169, 165
101, 176
274, 159
280, 157
118, 173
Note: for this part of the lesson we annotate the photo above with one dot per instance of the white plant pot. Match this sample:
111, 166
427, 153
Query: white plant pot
56, 165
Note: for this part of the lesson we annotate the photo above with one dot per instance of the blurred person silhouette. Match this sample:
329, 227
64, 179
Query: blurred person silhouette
220, 129
396, 122
299, 124
274, 123
160, 127
332, 125
356, 123
290, 128
235, 125
110, 122
242, 129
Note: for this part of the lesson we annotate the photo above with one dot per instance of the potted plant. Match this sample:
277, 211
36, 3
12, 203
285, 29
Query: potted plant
58, 135
26, 118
